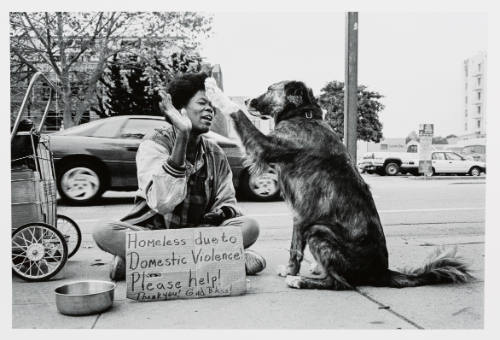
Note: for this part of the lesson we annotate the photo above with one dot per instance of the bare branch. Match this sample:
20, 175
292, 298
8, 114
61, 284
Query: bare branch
86, 45
35, 30
49, 47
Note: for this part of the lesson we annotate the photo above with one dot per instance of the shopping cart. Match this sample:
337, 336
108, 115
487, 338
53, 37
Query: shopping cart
40, 237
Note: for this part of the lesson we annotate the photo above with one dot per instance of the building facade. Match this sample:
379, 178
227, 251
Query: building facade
474, 98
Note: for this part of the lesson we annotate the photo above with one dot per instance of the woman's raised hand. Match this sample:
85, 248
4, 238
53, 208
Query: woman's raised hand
179, 119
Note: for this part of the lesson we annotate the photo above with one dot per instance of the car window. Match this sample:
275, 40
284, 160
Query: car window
136, 128
412, 149
439, 156
108, 129
451, 156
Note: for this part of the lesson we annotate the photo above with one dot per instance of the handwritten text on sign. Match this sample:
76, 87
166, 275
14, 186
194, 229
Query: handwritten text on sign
185, 263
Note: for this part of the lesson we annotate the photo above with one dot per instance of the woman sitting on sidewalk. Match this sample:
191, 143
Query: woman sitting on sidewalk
184, 179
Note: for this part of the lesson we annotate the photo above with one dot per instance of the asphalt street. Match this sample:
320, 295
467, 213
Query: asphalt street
401, 201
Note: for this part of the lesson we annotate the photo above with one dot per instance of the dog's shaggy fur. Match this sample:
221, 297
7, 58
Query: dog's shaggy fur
334, 212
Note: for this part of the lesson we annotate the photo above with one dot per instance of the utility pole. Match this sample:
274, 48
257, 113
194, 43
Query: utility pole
351, 85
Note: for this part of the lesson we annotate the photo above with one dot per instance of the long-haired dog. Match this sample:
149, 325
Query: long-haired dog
334, 212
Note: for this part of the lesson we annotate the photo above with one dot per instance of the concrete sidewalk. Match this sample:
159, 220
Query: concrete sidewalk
269, 303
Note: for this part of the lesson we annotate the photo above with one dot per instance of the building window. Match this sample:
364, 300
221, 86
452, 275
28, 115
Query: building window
478, 95
479, 109
465, 126
478, 81
479, 67
478, 123
465, 99
466, 70
465, 113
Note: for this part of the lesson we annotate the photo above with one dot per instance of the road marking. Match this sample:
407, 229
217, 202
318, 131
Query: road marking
382, 211
431, 209
90, 220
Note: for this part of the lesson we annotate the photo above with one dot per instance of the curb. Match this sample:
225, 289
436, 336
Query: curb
452, 178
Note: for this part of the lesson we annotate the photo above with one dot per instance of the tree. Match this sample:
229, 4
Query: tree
130, 85
332, 100
412, 136
117, 97
57, 43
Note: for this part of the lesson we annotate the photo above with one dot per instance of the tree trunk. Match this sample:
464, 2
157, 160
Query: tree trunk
66, 96
91, 90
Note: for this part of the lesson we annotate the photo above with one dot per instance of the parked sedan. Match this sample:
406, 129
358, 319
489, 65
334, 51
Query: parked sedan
447, 162
98, 156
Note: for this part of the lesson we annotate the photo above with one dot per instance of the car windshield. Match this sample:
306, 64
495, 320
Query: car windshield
80, 129
137, 128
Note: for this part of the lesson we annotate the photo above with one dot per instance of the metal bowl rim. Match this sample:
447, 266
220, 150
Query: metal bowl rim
113, 286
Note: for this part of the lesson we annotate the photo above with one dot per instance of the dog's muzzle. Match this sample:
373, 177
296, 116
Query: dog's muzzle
254, 112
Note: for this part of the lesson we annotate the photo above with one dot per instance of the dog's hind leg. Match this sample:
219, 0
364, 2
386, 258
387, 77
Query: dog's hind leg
325, 250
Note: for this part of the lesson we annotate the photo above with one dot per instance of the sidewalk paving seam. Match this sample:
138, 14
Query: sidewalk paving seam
430, 223
389, 309
95, 321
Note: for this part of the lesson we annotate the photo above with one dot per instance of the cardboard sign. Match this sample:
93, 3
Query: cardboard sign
185, 263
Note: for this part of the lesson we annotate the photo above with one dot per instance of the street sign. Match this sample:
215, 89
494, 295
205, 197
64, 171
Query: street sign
425, 133
185, 263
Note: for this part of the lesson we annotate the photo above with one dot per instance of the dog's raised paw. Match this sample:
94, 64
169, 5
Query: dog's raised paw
315, 269
282, 270
293, 281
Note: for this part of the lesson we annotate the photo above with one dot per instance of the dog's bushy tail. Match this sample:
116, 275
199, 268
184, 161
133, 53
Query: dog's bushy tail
442, 266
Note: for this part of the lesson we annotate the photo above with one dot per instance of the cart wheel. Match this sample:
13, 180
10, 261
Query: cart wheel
71, 233
39, 251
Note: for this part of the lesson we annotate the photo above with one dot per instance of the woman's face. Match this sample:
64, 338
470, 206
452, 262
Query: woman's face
200, 112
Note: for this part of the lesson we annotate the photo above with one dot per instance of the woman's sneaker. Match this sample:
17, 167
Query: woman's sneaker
254, 263
117, 272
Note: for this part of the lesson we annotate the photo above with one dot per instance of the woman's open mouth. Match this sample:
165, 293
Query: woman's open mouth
207, 119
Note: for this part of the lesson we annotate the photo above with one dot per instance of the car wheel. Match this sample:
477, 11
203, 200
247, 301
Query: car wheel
475, 171
263, 187
391, 169
80, 183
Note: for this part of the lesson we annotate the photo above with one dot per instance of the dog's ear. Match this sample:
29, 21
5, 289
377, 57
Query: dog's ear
298, 94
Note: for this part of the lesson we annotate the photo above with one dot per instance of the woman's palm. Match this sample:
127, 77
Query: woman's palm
179, 119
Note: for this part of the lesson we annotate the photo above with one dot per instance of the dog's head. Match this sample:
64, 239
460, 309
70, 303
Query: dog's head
281, 97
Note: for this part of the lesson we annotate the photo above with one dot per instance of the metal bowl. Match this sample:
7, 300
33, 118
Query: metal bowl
85, 297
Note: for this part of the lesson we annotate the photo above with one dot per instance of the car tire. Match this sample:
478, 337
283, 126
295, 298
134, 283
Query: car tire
391, 169
475, 171
263, 187
80, 183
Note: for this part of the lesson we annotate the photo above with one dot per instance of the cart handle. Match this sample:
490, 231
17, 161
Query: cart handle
25, 100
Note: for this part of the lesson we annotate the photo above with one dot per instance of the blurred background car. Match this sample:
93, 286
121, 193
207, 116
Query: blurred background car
474, 152
92, 158
448, 162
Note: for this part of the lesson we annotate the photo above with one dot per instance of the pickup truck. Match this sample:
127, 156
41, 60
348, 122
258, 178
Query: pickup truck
389, 163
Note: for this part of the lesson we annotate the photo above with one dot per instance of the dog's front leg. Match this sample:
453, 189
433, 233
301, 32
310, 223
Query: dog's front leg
297, 247
254, 141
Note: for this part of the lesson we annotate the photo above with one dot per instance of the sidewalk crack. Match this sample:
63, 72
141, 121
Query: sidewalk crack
388, 308
95, 321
